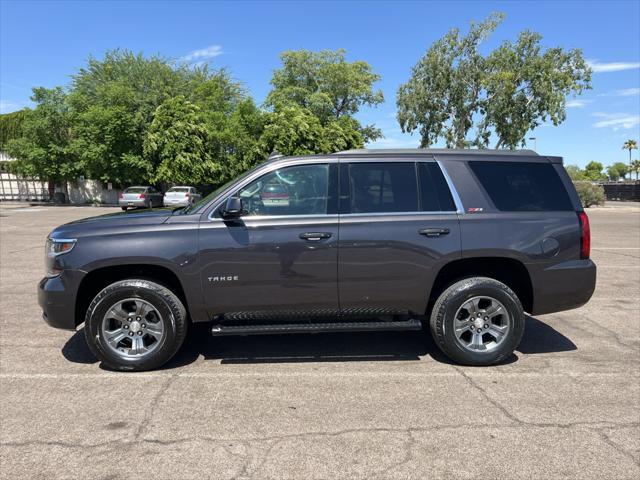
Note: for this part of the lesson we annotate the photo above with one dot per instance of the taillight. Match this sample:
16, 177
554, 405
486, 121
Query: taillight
121, 195
585, 235
141, 195
186, 195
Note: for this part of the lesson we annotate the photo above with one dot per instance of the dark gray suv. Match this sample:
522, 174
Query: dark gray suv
464, 241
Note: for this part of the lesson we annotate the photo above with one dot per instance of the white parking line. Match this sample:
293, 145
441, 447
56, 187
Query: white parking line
29, 209
600, 267
323, 374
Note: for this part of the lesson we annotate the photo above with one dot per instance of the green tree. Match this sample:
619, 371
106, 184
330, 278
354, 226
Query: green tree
327, 86
177, 143
515, 88
635, 167
12, 126
575, 172
42, 150
617, 170
593, 171
234, 125
114, 100
123, 102
294, 130
630, 145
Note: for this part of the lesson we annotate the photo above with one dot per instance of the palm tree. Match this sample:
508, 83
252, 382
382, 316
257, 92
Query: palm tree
630, 145
635, 167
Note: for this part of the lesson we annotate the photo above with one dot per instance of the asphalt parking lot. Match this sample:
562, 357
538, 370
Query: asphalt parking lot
332, 406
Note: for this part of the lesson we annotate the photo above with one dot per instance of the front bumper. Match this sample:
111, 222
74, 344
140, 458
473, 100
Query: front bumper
562, 286
57, 298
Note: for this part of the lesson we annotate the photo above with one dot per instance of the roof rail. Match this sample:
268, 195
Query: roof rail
435, 151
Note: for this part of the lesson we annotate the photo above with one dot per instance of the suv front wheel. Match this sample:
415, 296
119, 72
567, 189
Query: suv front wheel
135, 325
477, 321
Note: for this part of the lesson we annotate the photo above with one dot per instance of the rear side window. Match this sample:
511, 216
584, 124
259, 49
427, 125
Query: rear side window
434, 191
522, 186
383, 187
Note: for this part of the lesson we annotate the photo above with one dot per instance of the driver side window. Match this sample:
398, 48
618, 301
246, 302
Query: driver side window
296, 190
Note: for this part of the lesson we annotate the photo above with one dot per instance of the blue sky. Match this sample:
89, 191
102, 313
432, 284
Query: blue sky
43, 43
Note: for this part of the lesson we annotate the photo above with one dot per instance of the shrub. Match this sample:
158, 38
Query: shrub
589, 193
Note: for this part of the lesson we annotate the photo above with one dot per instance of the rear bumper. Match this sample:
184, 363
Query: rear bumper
132, 203
170, 202
57, 298
562, 286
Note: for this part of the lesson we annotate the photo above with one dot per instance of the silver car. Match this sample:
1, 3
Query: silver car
145, 197
181, 196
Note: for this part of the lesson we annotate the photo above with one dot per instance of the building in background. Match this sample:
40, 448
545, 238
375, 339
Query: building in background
82, 191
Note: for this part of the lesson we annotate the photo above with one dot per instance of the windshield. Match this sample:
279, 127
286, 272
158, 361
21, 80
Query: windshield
178, 189
135, 190
218, 191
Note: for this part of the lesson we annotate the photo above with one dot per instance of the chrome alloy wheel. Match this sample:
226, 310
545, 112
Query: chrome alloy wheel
481, 324
132, 328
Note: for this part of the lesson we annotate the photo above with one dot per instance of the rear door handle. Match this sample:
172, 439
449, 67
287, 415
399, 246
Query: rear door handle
433, 232
315, 236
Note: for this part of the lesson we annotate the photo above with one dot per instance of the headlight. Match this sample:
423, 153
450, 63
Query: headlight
55, 247
58, 246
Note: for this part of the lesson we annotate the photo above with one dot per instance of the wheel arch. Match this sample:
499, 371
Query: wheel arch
95, 280
509, 271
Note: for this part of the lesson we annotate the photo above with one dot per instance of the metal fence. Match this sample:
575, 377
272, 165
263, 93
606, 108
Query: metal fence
625, 191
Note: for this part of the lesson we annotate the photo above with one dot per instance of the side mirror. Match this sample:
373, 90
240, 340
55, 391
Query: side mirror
232, 208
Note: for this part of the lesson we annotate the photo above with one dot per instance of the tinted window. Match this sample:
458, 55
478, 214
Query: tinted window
298, 190
383, 187
179, 189
434, 191
135, 190
522, 186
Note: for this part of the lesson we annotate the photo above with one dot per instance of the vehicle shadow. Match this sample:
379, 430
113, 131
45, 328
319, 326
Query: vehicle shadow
325, 347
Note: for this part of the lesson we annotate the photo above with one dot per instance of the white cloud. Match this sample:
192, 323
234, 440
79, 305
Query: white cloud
203, 54
627, 92
616, 121
577, 103
395, 142
8, 106
600, 67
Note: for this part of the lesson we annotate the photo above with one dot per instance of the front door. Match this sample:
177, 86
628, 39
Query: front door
277, 262
398, 227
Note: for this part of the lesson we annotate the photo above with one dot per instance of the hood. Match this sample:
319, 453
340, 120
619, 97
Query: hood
119, 221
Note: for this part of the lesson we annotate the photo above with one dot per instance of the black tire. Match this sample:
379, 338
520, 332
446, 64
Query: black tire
124, 208
448, 303
172, 312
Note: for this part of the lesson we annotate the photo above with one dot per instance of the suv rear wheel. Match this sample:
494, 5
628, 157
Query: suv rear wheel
135, 325
477, 321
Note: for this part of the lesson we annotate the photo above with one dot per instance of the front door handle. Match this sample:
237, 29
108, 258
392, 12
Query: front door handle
433, 232
315, 236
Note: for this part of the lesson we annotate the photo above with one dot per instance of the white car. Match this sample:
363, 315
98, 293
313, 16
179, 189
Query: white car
181, 196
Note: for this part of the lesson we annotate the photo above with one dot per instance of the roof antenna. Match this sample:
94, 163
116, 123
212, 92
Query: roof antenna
275, 154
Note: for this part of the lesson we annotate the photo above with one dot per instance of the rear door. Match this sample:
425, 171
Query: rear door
398, 226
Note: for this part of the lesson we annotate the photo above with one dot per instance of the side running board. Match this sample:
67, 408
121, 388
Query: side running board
222, 330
